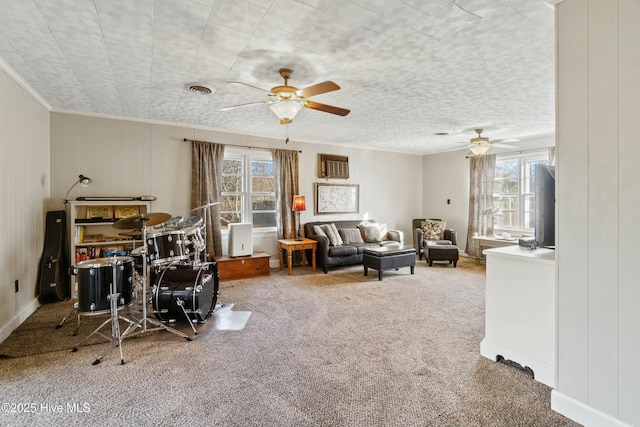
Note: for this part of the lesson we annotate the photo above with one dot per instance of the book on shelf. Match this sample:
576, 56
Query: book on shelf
91, 238
87, 253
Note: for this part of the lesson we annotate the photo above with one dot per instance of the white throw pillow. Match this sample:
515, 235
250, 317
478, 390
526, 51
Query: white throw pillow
332, 233
373, 232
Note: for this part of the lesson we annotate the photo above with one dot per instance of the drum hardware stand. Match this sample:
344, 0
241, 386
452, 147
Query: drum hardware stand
66, 316
116, 337
143, 323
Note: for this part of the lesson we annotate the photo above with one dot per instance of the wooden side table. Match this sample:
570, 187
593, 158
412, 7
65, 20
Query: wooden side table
291, 245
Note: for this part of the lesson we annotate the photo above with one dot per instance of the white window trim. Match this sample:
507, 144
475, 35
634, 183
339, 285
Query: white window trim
538, 154
248, 155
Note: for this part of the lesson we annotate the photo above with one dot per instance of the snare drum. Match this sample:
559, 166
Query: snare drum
170, 224
195, 288
94, 283
166, 248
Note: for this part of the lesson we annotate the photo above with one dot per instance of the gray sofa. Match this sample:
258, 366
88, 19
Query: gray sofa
329, 255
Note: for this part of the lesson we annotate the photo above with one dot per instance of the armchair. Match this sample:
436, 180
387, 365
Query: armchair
450, 237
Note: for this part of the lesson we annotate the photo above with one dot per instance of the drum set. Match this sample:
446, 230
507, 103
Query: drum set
171, 261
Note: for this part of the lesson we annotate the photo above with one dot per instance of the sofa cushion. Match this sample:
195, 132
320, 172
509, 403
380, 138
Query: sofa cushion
373, 232
332, 233
433, 229
350, 236
317, 229
342, 251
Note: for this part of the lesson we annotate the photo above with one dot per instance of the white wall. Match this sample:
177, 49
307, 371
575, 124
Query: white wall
446, 177
129, 158
24, 185
598, 374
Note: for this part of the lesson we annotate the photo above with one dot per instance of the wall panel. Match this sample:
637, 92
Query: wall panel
598, 201
572, 200
629, 201
24, 185
603, 205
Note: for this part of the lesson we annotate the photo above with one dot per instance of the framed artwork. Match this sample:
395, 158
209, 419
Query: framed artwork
336, 198
104, 212
126, 211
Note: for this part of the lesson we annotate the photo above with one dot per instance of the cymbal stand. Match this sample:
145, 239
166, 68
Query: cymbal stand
204, 234
145, 321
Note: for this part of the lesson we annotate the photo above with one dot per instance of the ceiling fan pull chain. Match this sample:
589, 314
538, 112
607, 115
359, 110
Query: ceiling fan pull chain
286, 141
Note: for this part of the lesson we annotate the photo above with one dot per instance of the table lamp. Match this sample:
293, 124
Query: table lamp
299, 205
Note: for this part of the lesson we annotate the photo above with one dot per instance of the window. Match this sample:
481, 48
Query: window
514, 190
248, 188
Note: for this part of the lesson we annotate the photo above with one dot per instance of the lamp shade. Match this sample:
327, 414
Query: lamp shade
479, 150
299, 204
82, 180
286, 110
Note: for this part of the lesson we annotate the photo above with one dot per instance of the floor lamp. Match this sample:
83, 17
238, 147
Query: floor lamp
299, 205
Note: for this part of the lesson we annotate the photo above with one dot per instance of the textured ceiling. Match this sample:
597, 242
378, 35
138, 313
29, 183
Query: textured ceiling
408, 69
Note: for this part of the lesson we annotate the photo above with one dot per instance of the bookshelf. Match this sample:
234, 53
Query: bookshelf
91, 229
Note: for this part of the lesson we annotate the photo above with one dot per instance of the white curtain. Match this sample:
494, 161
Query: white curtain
480, 197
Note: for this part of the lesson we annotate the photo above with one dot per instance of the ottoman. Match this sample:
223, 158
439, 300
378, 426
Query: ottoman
384, 258
439, 252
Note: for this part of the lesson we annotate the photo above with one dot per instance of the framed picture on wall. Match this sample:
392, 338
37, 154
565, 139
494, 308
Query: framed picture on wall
103, 212
336, 198
126, 211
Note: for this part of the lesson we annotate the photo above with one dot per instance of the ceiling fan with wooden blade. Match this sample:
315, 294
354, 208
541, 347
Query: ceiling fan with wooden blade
285, 100
479, 145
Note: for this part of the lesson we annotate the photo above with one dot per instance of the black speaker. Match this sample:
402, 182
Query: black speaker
54, 282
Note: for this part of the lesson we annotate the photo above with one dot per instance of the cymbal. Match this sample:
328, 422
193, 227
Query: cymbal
137, 222
134, 233
205, 206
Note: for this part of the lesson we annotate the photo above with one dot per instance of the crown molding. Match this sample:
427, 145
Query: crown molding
13, 74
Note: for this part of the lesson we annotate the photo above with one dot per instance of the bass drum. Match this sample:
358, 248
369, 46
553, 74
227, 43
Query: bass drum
94, 283
182, 286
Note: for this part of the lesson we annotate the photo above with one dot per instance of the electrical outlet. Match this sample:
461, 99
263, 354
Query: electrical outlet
17, 286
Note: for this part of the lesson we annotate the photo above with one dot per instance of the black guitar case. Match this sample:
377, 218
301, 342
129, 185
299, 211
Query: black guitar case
54, 282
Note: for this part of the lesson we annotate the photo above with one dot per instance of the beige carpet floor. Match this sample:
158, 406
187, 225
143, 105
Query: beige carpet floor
338, 349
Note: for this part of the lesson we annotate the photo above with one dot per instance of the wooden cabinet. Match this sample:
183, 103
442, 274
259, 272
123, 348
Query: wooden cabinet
231, 268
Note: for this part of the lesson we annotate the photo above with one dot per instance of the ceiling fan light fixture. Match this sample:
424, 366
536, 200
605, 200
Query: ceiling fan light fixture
479, 150
285, 110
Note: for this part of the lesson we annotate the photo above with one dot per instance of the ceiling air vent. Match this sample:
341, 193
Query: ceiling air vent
200, 89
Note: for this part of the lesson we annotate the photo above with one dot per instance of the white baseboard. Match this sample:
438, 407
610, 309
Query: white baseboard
17, 320
543, 372
582, 413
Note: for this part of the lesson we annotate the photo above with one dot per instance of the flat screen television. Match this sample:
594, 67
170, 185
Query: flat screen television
545, 211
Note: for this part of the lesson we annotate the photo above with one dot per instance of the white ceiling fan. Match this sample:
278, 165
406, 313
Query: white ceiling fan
479, 145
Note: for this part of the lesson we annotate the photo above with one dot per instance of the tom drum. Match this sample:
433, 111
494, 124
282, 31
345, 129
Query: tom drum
166, 248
